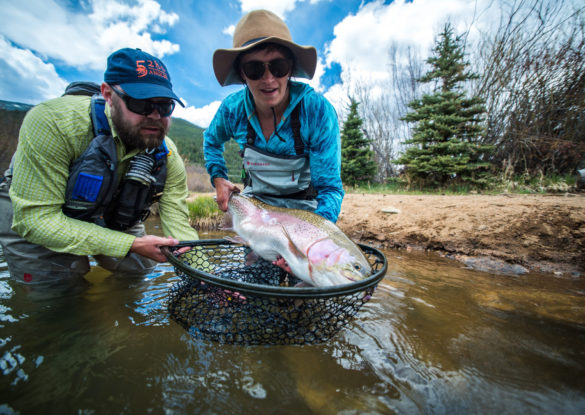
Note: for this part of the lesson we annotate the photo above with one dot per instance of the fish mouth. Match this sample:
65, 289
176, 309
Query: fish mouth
354, 275
351, 278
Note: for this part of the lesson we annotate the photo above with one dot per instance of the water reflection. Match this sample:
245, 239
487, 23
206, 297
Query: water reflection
435, 338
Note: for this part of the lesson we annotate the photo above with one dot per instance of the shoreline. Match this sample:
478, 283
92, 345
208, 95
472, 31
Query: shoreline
509, 234
503, 234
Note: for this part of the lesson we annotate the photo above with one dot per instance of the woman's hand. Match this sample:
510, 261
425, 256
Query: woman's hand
223, 189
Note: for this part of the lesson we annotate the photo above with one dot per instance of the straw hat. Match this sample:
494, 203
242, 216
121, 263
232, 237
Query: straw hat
256, 27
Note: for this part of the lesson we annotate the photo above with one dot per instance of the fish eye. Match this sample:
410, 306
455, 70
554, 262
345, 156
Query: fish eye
357, 267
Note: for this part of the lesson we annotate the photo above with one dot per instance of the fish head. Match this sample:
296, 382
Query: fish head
332, 264
241, 207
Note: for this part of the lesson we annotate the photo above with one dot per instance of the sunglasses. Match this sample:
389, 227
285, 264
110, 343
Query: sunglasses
144, 106
254, 70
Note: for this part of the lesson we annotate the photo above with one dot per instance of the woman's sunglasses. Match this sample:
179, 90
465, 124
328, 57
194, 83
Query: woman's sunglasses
144, 106
254, 70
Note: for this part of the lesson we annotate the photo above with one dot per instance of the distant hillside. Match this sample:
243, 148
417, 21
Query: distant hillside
187, 136
11, 116
189, 140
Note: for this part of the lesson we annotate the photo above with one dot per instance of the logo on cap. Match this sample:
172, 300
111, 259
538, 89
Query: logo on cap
150, 67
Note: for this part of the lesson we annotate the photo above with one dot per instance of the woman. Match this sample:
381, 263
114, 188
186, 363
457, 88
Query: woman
288, 133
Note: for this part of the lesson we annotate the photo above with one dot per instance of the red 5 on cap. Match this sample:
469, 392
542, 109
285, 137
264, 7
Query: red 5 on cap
140, 74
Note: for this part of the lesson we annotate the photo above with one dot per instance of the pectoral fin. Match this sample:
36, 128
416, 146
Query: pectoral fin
293, 248
251, 258
236, 239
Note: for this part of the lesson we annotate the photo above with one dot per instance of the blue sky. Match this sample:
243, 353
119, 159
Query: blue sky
45, 44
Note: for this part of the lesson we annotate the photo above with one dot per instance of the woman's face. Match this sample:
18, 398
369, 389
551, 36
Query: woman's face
269, 91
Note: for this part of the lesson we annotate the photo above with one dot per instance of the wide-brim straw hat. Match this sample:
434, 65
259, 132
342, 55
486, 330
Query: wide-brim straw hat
256, 27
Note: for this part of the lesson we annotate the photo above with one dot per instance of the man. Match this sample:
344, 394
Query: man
71, 192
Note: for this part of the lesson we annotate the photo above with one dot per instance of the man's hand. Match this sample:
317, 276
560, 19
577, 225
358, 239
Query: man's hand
149, 246
223, 189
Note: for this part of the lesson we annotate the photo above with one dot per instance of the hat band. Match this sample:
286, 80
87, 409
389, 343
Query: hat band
249, 42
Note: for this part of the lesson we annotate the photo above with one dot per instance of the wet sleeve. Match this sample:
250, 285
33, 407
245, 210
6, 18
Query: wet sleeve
325, 156
174, 213
47, 146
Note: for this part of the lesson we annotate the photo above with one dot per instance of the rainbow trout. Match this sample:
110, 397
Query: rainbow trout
315, 249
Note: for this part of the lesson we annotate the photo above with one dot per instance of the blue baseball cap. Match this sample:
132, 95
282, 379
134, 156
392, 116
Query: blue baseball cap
141, 75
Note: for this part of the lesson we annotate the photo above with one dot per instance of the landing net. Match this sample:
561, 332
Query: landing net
221, 298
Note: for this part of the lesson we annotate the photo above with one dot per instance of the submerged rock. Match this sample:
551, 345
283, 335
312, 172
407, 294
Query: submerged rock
492, 265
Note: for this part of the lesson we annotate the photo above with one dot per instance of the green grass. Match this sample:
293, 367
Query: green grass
525, 184
203, 207
403, 189
522, 184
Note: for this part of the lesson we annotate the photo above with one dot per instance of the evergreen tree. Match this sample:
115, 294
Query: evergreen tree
357, 159
445, 144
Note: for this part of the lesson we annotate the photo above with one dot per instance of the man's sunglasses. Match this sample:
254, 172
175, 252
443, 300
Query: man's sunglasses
144, 106
254, 70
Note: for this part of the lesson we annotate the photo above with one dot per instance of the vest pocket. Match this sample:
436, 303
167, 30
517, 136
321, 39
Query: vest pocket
275, 182
276, 175
87, 187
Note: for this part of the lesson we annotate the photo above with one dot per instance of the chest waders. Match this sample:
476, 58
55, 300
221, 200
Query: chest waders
279, 180
92, 193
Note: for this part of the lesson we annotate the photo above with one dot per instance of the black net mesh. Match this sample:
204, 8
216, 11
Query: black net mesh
222, 298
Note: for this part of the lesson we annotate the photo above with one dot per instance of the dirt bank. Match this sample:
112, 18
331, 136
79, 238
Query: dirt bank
538, 232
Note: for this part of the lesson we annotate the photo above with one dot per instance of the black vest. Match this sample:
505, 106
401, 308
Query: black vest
92, 195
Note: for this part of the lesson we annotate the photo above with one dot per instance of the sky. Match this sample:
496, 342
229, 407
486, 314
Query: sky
46, 44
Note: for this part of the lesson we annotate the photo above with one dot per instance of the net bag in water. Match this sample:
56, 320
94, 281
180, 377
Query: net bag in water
221, 298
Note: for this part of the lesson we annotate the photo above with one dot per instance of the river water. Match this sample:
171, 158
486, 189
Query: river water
435, 338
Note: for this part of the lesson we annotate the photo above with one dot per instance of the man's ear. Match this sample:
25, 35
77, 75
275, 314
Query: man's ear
107, 92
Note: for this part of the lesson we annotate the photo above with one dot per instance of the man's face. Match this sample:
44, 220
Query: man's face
135, 130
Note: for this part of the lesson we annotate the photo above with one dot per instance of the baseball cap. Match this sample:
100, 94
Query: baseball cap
140, 74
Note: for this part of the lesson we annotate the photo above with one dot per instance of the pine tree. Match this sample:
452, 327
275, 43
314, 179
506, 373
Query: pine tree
445, 144
357, 159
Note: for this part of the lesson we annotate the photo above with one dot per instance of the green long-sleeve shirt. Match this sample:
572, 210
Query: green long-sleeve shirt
52, 136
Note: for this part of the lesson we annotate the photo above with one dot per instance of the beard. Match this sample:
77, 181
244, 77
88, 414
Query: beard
131, 135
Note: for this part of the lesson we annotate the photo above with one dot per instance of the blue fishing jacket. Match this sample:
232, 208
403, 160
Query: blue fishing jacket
319, 132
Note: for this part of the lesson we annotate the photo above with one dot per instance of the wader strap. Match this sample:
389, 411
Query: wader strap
251, 136
296, 129
99, 121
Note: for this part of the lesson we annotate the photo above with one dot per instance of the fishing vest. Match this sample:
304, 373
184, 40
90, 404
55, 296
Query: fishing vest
279, 180
93, 194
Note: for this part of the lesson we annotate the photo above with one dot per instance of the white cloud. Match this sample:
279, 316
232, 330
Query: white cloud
278, 7
337, 95
120, 25
25, 77
362, 41
85, 38
229, 30
46, 33
199, 116
315, 82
